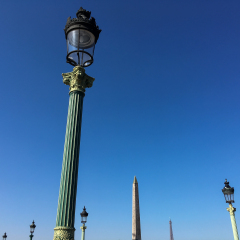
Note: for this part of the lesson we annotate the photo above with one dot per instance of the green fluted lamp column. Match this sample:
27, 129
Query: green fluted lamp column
229, 197
231, 210
83, 227
78, 81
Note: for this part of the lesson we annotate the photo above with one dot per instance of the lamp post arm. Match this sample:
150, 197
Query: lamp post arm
231, 210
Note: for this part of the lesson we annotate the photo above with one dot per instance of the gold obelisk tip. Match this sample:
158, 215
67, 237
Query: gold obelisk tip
135, 180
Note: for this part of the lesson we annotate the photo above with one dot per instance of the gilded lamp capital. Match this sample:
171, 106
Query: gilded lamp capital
231, 209
77, 80
83, 227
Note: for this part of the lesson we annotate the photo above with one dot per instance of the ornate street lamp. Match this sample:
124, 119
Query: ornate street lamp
32, 228
81, 34
84, 216
4, 236
229, 197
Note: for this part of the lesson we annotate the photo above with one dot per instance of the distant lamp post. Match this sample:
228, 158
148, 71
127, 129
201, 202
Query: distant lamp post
84, 216
229, 197
4, 236
32, 228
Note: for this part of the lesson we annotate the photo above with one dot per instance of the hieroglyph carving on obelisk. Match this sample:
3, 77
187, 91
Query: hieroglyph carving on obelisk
136, 228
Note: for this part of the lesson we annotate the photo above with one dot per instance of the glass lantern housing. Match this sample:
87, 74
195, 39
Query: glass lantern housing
84, 216
32, 227
80, 47
81, 34
228, 193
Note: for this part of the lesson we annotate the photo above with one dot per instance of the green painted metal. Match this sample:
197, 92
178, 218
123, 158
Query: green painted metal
234, 226
69, 176
83, 235
31, 236
83, 231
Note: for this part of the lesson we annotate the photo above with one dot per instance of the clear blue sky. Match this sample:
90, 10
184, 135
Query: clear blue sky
165, 107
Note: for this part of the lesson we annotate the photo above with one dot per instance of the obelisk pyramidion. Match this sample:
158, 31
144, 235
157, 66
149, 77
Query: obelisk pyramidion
136, 228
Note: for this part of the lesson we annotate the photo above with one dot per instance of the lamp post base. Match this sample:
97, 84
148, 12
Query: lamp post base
64, 233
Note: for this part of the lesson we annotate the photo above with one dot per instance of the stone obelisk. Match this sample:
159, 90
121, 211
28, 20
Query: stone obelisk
136, 228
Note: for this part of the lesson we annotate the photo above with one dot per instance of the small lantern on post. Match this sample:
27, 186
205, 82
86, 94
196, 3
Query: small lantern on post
32, 228
81, 34
4, 236
84, 216
229, 197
